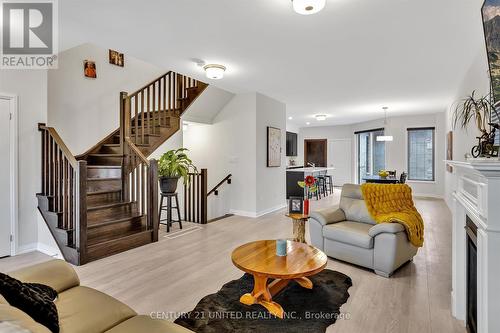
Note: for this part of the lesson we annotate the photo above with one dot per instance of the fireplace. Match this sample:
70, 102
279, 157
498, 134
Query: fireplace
471, 274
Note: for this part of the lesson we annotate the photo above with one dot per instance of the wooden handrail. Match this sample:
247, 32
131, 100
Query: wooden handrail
67, 153
227, 178
149, 84
137, 151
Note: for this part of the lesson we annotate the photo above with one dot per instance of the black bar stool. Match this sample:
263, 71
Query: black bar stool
169, 208
329, 183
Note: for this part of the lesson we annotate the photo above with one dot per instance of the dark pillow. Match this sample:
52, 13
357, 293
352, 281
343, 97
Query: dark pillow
36, 300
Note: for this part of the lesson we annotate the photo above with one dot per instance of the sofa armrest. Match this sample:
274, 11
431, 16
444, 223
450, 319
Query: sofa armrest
328, 215
380, 228
57, 274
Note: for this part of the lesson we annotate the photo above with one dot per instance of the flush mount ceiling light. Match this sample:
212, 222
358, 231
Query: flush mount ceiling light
308, 7
214, 71
308, 123
320, 117
385, 137
290, 118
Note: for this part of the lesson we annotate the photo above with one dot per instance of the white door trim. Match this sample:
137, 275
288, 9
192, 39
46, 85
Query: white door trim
13, 102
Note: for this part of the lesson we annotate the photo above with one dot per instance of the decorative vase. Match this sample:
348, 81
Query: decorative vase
306, 207
281, 247
168, 184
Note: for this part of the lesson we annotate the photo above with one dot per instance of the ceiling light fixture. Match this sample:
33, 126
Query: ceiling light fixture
308, 7
385, 137
290, 118
214, 71
320, 117
308, 123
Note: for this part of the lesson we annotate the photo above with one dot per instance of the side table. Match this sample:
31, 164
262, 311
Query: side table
299, 226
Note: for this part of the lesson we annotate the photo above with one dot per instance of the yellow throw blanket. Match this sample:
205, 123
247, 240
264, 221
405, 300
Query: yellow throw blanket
393, 203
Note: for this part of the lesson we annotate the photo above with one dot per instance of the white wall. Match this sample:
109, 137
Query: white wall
236, 144
207, 105
228, 147
85, 110
271, 185
31, 88
396, 151
475, 78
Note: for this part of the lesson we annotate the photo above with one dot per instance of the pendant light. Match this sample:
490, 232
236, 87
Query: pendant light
385, 137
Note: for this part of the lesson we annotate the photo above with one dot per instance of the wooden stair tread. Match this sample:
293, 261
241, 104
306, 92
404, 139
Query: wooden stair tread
114, 221
95, 166
144, 229
110, 205
106, 155
103, 192
118, 145
123, 216
102, 240
117, 245
93, 179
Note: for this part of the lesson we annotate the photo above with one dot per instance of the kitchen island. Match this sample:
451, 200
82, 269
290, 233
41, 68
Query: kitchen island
294, 175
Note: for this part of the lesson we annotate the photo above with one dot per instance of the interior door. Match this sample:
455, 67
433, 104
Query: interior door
315, 152
5, 212
339, 156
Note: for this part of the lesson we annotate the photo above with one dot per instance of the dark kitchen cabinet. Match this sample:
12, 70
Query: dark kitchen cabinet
291, 144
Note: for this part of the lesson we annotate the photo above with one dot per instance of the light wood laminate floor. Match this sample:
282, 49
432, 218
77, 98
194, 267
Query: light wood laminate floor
174, 274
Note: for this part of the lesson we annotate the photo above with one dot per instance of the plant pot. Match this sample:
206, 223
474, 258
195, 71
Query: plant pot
168, 184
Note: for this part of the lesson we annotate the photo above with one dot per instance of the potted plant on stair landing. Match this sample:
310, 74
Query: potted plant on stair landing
173, 165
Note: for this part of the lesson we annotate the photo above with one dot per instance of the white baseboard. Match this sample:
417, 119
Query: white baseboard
48, 250
271, 210
257, 214
427, 195
242, 213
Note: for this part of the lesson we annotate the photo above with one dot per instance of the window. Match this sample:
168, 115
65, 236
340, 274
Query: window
421, 154
371, 153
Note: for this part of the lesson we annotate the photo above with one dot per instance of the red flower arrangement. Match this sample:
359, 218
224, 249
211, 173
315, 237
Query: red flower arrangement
309, 186
310, 180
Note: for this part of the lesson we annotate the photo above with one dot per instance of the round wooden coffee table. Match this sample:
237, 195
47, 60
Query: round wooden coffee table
259, 259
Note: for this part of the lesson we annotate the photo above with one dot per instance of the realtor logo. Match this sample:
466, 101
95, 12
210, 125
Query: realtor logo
29, 34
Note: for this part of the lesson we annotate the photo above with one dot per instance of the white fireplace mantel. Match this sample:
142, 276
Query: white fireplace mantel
477, 195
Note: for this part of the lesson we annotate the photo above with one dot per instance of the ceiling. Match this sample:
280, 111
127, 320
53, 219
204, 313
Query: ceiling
346, 62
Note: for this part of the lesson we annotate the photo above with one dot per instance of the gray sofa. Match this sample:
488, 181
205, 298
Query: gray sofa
348, 233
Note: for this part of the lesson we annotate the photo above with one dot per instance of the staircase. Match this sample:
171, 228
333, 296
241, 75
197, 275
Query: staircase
105, 201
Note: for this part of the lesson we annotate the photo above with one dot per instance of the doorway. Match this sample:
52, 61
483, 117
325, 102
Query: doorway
8, 174
339, 156
315, 152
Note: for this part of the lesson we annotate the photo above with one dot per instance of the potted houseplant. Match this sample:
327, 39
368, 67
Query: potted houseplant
173, 165
478, 110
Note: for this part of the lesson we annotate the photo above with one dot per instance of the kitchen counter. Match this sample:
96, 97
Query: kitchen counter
310, 169
293, 176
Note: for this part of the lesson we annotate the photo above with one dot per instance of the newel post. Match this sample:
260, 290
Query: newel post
124, 133
153, 218
204, 196
81, 213
124, 119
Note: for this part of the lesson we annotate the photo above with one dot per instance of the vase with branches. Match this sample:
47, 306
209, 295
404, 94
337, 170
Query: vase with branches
477, 109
